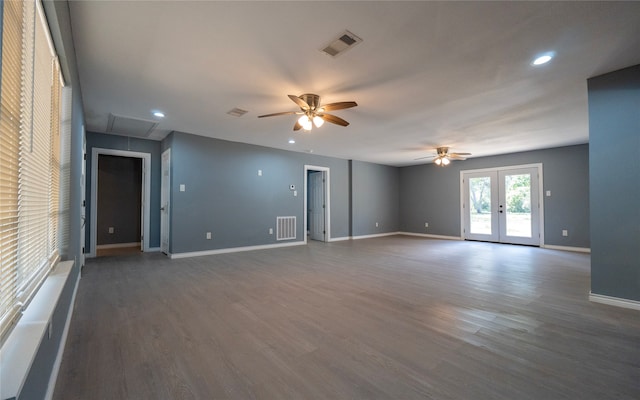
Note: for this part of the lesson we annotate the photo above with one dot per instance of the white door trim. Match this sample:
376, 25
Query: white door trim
146, 191
327, 196
508, 167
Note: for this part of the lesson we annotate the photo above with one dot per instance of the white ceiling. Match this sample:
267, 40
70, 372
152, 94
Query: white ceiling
427, 73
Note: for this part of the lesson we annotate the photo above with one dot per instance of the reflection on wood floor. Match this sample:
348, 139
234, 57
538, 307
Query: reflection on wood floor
383, 318
118, 251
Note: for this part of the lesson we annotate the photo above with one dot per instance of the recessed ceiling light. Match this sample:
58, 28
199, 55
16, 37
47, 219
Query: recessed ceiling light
158, 114
291, 141
543, 58
237, 112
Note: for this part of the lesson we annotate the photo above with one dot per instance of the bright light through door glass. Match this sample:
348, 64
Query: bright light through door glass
518, 204
480, 205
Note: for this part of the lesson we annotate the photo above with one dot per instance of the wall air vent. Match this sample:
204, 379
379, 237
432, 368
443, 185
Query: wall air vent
345, 41
128, 126
237, 112
285, 228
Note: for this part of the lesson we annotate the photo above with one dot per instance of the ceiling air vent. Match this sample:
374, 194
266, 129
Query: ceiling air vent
128, 126
342, 43
237, 112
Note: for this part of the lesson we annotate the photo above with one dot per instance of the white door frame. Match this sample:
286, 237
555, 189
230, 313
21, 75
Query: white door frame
83, 199
146, 191
165, 202
327, 197
509, 167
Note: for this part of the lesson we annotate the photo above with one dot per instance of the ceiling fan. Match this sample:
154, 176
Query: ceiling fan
312, 113
443, 157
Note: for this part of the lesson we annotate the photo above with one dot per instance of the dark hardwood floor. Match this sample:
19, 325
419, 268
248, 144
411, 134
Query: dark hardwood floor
386, 318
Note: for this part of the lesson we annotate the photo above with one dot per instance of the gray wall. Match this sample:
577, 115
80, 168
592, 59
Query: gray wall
614, 136
375, 197
152, 147
119, 199
225, 196
432, 194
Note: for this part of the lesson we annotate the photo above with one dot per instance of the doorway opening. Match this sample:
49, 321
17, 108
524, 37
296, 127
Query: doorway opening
503, 205
120, 187
316, 203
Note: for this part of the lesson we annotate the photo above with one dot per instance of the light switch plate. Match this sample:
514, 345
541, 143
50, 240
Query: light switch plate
183, 187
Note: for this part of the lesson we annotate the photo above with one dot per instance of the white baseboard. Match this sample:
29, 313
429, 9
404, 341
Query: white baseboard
117, 245
340, 239
567, 248
63, 341
153, 250
375, 235
429, 236
233, 250
614, 301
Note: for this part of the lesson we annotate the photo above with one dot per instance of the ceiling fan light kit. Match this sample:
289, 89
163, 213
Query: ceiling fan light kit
442, 161
443, 157
311, 113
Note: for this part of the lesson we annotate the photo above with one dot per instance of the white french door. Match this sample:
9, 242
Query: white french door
503, 205
165, 197
316, 206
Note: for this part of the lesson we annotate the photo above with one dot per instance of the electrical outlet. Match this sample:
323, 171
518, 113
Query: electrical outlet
270, 231
208, 235
111, 230
259, 172
376, 224
565, 232
426, 224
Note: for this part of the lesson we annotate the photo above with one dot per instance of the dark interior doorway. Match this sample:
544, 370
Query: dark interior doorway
119, 205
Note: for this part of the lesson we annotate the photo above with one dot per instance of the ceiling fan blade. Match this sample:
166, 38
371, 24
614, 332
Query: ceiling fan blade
423, 158
338, 106
301, 103
333, 119
456, 157
460, 154
297, 126
276, 114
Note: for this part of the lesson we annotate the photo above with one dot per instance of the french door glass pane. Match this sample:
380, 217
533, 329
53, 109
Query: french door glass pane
480, 205
518, 205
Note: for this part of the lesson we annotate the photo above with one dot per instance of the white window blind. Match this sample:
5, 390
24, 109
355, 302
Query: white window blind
10, 99
65, 169
30, 235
